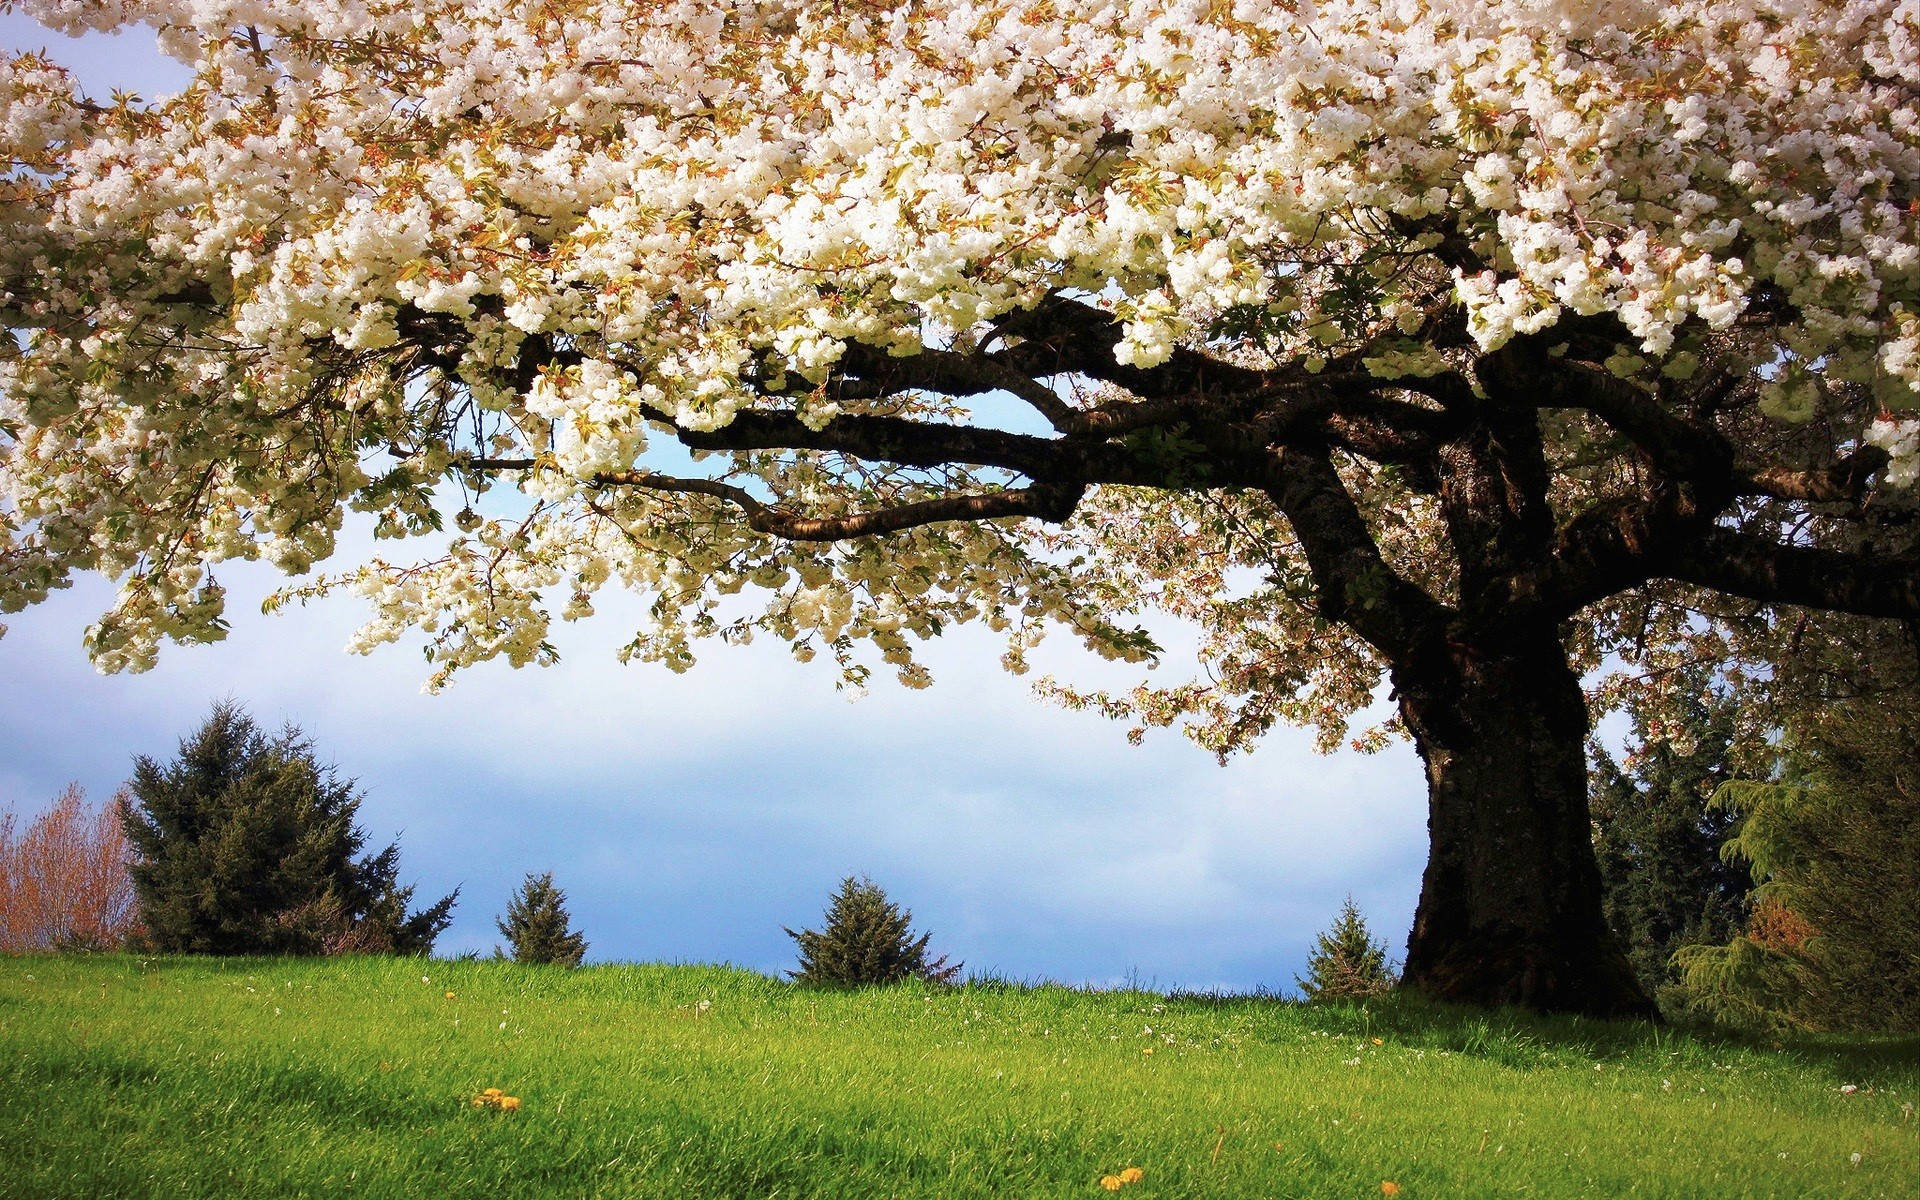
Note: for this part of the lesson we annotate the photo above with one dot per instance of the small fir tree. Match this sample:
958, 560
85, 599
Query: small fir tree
867, 940
536, 925
246, 844
1347, 964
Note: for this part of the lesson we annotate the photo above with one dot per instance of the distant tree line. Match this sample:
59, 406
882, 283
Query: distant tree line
242, 843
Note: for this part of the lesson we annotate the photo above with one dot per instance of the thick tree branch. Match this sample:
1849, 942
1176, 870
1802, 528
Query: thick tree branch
1062, 336
1843, 482
1065, 461
1387, 431
891, 439
1355, 583
956, 374
1745, 565
1047, 502
1613, 546
1680, 448
1043, 501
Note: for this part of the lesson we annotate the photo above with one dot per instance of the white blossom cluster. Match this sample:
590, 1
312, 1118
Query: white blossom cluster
1901, 440
339, 265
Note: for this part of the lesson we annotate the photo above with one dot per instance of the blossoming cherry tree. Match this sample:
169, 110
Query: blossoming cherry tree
1465, 348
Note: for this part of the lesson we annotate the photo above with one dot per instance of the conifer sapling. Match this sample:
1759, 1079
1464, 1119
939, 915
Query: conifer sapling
536, 925
867, 940
1347, 963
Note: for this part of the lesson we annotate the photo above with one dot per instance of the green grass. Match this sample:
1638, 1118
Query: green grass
180, 1078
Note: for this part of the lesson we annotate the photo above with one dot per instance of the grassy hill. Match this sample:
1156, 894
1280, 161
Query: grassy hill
181, 1078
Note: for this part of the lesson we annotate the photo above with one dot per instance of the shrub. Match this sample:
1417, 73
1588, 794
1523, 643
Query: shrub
1347, 964
867, 940
536, 925
64, 883
246, 844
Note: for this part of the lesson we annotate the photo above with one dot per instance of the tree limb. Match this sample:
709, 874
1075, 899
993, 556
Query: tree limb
1745, 565
1844, 481
1062, 336
1354, 582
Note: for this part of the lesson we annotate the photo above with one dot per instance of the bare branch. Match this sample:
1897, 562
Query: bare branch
1047, 503
1063, 336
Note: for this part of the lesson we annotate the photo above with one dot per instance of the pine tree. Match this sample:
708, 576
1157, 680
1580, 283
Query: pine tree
1657, 836
246, 844
866, 940
536, 925
1833, 841
1347, 964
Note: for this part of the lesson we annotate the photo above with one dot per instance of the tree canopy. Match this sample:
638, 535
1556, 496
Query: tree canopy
1465, 347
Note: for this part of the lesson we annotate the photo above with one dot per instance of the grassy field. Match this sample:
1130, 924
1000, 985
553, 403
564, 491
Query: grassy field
271, 1078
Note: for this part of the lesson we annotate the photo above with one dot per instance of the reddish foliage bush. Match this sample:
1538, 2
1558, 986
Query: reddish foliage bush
64, 882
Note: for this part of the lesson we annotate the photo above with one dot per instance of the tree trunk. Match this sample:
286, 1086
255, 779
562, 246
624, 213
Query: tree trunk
1510, 905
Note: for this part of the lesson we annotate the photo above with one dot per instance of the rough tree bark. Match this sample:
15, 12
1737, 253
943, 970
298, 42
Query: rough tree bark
1510, 905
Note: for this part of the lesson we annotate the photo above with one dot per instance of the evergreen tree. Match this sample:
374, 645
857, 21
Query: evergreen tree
1833, 840
536, 925
246, 844
1347, 964
1657, 835
867, 940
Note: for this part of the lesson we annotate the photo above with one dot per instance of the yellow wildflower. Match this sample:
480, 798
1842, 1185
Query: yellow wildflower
509, 1103
1389, 1188
1132, 1175
1111, 1183
1376, 1041
449, 995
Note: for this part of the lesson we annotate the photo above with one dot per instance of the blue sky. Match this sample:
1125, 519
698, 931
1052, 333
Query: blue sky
689, 817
